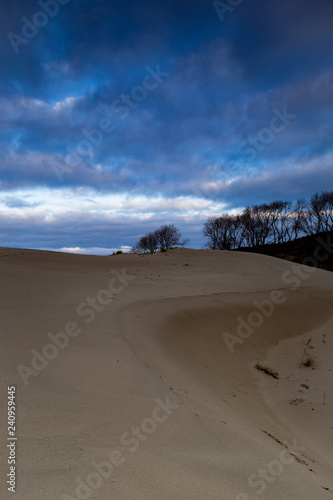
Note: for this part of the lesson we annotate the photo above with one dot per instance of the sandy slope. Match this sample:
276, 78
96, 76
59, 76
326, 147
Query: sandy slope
150, 384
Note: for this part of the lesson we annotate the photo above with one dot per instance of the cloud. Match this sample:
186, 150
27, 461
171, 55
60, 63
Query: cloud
13, 202
178, 154
87, 251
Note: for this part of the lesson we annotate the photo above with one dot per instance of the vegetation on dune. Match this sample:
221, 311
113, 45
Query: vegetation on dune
267, 369
309, 361
284, 229
267, 223
162, 239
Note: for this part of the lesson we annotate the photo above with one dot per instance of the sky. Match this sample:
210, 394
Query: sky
120, 116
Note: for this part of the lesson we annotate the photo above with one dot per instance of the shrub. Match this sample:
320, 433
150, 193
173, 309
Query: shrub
309, 361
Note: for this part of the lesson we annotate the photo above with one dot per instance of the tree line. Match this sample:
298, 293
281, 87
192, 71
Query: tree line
275, 222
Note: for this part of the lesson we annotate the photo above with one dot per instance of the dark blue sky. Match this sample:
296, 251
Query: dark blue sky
118, 116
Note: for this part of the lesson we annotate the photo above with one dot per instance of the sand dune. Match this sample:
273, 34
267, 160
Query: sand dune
149, 390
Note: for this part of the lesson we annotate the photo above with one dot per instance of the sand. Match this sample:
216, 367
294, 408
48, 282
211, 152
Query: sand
151, 394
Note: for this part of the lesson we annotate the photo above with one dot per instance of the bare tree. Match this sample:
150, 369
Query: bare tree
164, 238
222, 232
168, 236
329, 210
281, 219
317, 210
256, 223
147, 243
238, 231
298, 218
210, 230
322, 211
307, 216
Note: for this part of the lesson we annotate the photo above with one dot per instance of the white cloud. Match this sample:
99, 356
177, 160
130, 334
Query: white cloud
68, 102
87, 251
50, 205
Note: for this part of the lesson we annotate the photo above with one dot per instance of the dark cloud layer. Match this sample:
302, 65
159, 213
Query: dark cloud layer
163, 99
